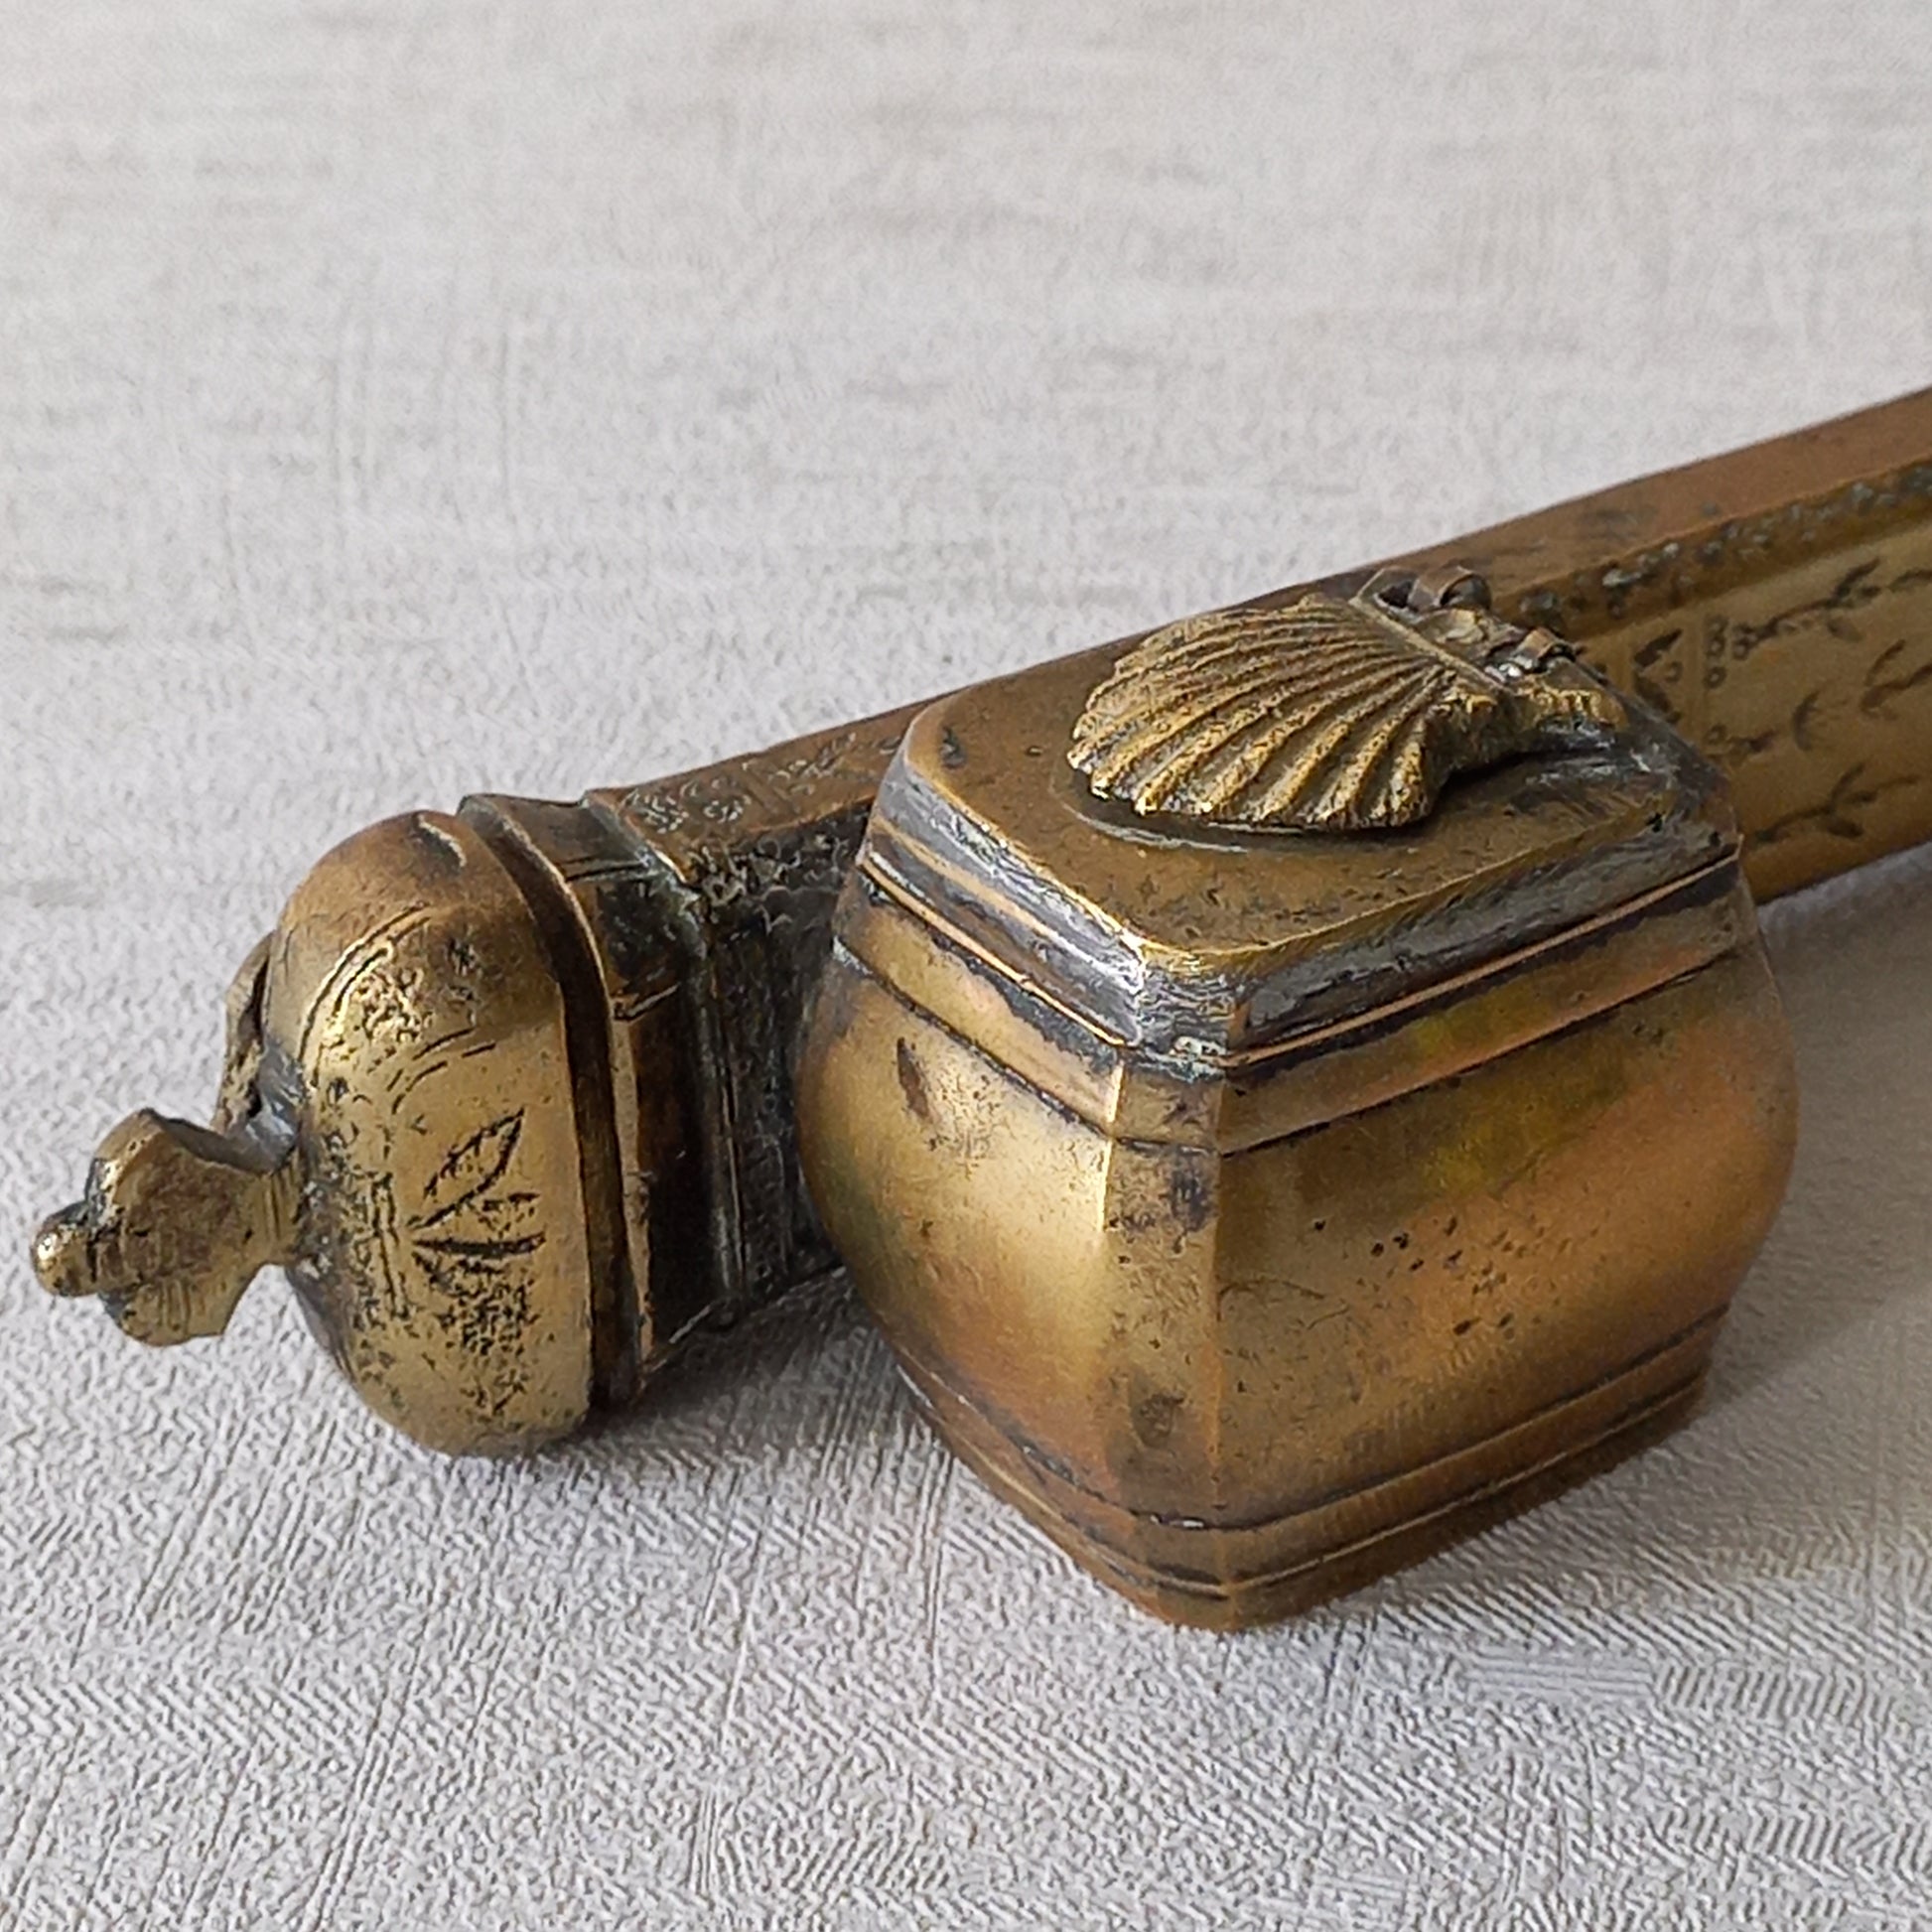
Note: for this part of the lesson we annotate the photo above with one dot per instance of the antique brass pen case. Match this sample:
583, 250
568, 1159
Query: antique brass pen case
511, 1091
1256, 1206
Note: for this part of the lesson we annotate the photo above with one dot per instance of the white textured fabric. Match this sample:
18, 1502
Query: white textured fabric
398, 400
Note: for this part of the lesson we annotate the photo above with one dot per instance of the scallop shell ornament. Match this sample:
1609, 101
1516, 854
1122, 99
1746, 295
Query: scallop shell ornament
1329, 714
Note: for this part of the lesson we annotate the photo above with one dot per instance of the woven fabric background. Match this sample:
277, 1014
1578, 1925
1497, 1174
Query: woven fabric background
400, 397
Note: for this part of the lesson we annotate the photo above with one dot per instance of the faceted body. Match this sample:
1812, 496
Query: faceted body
1257, 1215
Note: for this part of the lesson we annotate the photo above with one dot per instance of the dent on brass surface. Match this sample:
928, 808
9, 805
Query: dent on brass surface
511, 1092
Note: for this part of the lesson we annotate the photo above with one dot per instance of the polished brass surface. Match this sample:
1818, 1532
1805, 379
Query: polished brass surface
634, 969
1255, 1210
1329, 714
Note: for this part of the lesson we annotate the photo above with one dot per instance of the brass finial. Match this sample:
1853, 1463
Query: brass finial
175, 1222
178, 1220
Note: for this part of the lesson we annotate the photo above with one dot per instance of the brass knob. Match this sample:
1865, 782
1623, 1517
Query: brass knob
398, 1129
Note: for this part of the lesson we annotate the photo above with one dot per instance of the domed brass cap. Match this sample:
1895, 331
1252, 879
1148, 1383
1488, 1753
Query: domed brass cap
398, 1129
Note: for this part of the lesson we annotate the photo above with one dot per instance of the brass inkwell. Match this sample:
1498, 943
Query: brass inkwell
1261, 1166
1292, 1086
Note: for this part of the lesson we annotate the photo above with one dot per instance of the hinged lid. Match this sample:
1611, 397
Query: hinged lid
1160, 921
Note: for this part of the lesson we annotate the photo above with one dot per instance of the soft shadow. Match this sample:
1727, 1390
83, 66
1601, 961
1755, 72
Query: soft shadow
809, 1320
757, 1386
1854, 961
